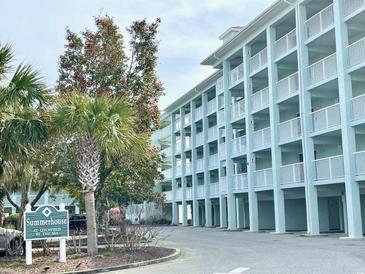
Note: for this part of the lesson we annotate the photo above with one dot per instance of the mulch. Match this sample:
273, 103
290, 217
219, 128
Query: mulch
79, 261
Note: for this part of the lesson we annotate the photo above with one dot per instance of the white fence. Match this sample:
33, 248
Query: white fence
263, 177
320, 21
288, 86
199, 139
358, 107
189, 193
356, 52
292, 174
213, 161
290, 129
326, 117
179, 193
200, 164
212, 133
360, 162
240, 182
219, 86
198, 113
258, 61
188, 167
221, 117
285, 43
260, 99
236, 75
212, 106
353, 5
177, 124
323, 69
214, 188
239, 145
329, 168
262, 138
238, 110
187, 119
200, 191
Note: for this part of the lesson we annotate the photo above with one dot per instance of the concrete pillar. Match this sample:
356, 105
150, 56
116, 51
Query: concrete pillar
183, 167
347, 131
240, 212
306, 122
222, 211
193, 166
279, 206
252, 195
174, 218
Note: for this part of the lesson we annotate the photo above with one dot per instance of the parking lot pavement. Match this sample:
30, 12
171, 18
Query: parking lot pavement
213, 250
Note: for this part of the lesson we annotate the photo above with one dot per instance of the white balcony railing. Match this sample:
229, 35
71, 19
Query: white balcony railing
258, 61
168, 195
262, 138
198, 113
290, 129
263, 177
329, 168
187, 119
288, 86
178, 171
222, 150
358, 107
212, 133
188, 167
323, 69
214, 188
238, 110
351, 6
239, 145
240, 182
179, 193
292, 174
356, 52
213, 161
167, 152
360, 162
223, 184
285, 43
199, 139
167, 173
177, 124
326, 117
163, 133
212, 106
236, 75
221, 117
188, 193
178, 147
219, 86
260, 99
199, 164
200, 191
320, 21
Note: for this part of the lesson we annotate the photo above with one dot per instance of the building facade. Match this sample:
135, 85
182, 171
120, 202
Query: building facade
275, 138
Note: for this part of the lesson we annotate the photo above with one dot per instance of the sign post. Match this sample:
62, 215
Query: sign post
46, 222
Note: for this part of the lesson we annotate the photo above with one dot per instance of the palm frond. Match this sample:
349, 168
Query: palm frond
6, 56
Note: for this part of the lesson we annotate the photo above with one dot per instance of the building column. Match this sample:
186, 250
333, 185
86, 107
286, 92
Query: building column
353, 203
252, 195
193, 166
183, 168
208, 203
279, 204
175, 217
222, 211
231, 204
306, 123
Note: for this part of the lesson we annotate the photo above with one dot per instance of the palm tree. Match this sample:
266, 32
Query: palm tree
23, 124
97, 126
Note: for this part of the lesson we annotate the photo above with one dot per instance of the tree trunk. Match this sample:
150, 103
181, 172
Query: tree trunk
92, 237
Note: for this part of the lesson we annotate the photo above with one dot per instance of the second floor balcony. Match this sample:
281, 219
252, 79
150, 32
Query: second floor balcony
260, 99
263, 178
292, 174
320, 22
238, 110
356, 52
261, 138
239, 146
288, 86
258, 61
329, 168
326, 118
358, 107
286, 43
323, 69
240, 182
236, 75
290, 130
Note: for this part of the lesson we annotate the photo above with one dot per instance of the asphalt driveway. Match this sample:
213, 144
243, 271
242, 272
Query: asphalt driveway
213, 250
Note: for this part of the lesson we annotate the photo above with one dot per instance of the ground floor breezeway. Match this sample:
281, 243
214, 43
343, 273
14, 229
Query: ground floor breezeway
331, 207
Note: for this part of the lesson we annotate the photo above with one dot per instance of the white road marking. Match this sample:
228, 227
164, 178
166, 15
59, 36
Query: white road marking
238, 270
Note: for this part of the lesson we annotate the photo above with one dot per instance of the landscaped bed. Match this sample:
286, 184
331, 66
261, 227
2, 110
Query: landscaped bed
80, 261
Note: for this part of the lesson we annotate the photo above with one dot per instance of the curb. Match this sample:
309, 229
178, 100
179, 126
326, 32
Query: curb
176, 254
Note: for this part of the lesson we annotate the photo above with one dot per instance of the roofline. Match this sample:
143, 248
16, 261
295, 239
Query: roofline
203, 85
211, 60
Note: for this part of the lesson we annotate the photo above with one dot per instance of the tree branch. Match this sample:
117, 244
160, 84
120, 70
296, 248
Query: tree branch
10, 200
44, 188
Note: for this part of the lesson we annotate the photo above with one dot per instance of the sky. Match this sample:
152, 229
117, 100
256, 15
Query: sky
188, 34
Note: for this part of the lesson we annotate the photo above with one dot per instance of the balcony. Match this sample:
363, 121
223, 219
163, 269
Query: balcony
163, 133
292, 174
285, 44
240, 182
187, 143
288, 86
188, 168
212, 133
360, 162
178, 171
221, 117
236, 76
320, 22
263, 177
358, 107
177, 124
214, 188
356, 52
213, 161
199, 139
179, 193
167, 152
200, 165
326, 118
198, 113
329, 168
352, 6
323, 69
260, 99
187, 119
189, 193
223, 184
168, 195
219, 86
261, 138
290, 130
222, 150
177, 147
238, 110
167, 173
211, 106
258, 61
200, 191
239, 146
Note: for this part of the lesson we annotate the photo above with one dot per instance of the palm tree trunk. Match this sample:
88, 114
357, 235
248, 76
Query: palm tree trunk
92, 237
